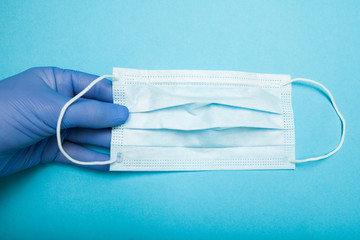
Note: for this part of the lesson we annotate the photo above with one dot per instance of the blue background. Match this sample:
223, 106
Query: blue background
313, 39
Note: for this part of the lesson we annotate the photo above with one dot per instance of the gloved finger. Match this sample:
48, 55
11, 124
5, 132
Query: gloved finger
82, 154
96, 137
94, 114
76, 81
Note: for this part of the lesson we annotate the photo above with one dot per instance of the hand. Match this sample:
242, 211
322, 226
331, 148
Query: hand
30, 103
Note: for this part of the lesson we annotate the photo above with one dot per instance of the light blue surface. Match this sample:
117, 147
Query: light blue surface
317, 40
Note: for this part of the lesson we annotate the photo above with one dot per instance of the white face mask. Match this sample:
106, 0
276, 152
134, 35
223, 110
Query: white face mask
182, 120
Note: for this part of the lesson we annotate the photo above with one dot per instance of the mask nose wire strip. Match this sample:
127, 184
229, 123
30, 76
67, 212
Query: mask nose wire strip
343, 124
62, 113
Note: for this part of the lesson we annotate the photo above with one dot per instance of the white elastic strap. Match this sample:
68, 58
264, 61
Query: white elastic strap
62, 113
343, 125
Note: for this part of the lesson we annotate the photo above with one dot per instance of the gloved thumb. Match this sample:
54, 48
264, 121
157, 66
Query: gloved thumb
88, 113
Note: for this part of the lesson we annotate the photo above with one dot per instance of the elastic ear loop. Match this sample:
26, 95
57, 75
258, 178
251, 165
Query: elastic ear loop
62, 113
343, 124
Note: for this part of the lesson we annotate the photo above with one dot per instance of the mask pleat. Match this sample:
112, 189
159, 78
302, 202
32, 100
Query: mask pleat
209, 116
217, 138
150, 97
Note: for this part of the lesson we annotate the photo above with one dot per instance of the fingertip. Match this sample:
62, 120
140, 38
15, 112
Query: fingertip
120, 114
95, 114
76, 81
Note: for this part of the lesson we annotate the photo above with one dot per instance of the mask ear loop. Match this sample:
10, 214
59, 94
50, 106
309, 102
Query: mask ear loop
61, 116
343, 124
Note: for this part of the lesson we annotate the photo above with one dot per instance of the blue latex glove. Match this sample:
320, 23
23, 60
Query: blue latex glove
30, 103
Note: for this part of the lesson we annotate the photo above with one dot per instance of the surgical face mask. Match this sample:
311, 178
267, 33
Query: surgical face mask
183, 120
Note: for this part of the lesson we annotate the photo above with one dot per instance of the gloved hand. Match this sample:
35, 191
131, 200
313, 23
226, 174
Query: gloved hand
30, 103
